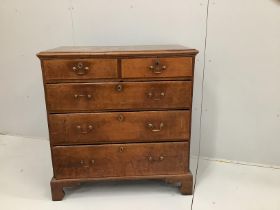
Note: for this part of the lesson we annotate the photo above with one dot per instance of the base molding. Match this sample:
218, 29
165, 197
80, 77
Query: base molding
184, 181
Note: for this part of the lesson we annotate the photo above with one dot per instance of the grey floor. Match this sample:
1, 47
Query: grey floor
26, 171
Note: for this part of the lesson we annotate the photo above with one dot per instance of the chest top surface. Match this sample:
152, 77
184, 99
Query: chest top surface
69, 51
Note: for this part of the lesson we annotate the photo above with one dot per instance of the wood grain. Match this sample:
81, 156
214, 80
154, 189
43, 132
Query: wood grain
62, 69
119, 113
120, 160
162, 67
107, 96
117, 127
185, 182
116, 51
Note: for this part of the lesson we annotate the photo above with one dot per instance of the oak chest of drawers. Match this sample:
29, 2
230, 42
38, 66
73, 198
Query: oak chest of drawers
119, 113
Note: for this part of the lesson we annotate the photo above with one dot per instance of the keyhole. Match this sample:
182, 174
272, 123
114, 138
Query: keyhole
120, 117
119, 88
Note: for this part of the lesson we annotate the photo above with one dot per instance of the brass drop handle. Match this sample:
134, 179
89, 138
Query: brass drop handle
156, 97
161, 158
80, 69
77, 96
88, 129
82, 162
157, 68
153, 129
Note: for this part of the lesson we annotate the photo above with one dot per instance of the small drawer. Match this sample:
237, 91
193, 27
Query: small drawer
116, 127
79, 69
157, 67
89, 97
120, 160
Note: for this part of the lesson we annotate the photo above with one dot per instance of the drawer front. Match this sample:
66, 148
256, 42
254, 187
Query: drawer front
157, 67
79, 69
118, 127
117, 160
118, 96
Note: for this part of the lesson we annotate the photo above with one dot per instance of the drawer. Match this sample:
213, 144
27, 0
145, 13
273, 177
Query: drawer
157, 67
118, 96
116, 160
149, 126
79, 69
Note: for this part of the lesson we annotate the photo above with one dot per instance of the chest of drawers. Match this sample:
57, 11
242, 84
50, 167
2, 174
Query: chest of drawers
119, 113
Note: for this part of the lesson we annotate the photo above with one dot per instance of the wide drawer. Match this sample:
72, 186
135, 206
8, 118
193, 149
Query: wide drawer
117, 160
157, 67
79, 69
118, 96
119, 127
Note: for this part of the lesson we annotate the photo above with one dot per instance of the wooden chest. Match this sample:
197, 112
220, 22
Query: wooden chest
119, 113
